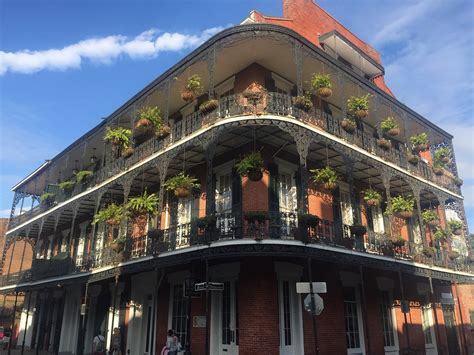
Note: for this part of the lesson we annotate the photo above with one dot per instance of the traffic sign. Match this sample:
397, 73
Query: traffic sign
318, 304
318, 287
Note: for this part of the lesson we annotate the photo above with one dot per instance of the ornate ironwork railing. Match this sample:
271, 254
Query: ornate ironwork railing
235, 105
254, 225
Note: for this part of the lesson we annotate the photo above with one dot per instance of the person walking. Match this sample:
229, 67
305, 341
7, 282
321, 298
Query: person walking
98, 344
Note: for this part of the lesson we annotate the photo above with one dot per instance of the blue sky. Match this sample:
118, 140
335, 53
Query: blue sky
50, 98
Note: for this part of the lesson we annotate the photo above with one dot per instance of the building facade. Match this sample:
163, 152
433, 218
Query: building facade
332, 197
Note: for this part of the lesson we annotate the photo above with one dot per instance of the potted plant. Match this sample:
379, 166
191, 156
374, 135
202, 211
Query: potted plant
208, 106
321, 84
428, 252
438, 168
325, 177
254, 97
458, 181
402, 206
83, 176
348, 125
118, 136
412, 158
384, 143
256, 216
141, 208
308, 220
359, 105
453, 254
455, 226
303, 103
358, 230
118, 244
192, 88
251, 165
390, 126
430, 217
206, 222
112, 214
163, 131
398, 242
372, 197
47, 198
67, 186
442, 154
420, 141
440, 234
182, 185
149, 117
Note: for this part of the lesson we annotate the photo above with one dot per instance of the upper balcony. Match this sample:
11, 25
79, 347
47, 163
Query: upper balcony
225, 65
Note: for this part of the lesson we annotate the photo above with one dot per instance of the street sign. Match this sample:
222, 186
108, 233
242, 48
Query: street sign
209, 286
318, 287
318, 304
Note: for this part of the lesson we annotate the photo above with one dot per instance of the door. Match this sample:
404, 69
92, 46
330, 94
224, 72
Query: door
346, 209
184, 222
225, 220
287, 202
225, 325
450, 323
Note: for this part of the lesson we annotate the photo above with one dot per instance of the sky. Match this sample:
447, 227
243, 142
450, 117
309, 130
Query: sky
65, 64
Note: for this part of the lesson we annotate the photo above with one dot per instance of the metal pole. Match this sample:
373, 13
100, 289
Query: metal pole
26, 323
159, 280
313, 307
435, 315
462, 321
13, 325
80, 349
113, 310
208, 350
404, 314
366, 326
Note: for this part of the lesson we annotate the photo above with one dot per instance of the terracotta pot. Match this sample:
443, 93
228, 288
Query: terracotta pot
324, 92
187, 95
445, 160
383, 143
421, 147
404, 214
373, 202
143, 123
361, 114
329, 185
255, 175
164, 131
348, 125
393, 132
182, 192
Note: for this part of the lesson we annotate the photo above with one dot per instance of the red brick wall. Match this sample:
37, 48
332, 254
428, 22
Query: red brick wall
465, 294
198, 335
162, 317
21, 250
258, 314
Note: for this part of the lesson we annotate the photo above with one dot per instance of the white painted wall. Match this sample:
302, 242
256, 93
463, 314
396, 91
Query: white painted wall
24, 326
71, 319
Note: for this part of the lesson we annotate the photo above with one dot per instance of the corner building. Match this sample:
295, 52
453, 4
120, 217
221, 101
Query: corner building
400, 285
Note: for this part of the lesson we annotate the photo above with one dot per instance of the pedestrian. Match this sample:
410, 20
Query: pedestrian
172, 343
98, 344
116, 346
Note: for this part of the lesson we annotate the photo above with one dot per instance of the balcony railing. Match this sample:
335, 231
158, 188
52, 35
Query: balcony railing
228, 226
235, 105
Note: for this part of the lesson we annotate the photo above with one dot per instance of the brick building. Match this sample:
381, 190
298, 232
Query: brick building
329, 194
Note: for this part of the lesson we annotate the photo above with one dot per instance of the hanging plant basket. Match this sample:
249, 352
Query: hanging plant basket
458, 182
308, 220
187, 95
453, 255
421, 147
329, 185
348, 125
112, 222
445, 160
324, 92
413, 159
393, 132
208, 106
255, 174
404, 214
163, 131
303, 103
398, 242
373, 202
143, 124
182, 192
127, 152
372, 197
254, 97
383, 143
360, 114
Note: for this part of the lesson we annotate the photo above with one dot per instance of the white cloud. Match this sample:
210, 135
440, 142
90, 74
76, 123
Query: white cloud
5, 213
104, 50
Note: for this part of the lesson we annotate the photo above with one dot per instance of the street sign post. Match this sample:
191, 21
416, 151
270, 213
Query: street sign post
209, 286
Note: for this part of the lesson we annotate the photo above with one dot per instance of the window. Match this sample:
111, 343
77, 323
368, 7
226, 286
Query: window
224, 193
287, 193
184, 221
427, 326
353, 321
346, 206
179, 315
388, 323
377, 219
229, 305
286, 313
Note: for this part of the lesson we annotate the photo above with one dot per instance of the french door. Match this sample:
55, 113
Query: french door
225, 325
